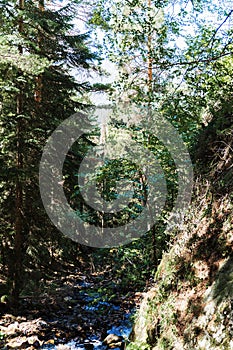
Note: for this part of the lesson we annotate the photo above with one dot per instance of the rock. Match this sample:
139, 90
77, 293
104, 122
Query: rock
63, 347
141, 327
114, 341
89, 346
119, 345
3, 308
33, 340
112, 338
18, 343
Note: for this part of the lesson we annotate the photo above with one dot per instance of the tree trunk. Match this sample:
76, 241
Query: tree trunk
18, 266
150, 98
150, 61
39, 85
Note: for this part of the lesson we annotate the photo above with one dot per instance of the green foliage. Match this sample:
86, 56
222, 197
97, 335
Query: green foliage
131, 265
191, 84
165, 344
138, 346
38, 52
2, 336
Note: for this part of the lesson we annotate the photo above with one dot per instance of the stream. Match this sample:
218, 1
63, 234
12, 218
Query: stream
123, 327
76, 312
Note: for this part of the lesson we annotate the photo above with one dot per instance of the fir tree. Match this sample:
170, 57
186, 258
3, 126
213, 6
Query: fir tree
38, 50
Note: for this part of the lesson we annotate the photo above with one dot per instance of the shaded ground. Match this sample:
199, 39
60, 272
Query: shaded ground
72, 306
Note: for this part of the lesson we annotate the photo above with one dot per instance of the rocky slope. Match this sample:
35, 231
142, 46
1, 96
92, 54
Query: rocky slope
191, 303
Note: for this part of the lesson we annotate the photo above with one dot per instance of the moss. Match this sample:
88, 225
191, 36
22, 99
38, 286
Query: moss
165, 344
138, 346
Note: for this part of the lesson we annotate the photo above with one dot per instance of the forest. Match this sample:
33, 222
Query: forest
116, 174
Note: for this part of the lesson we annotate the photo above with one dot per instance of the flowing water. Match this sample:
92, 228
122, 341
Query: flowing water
123, 328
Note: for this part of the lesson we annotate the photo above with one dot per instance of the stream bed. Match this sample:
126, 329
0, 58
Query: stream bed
75, 313
123, 328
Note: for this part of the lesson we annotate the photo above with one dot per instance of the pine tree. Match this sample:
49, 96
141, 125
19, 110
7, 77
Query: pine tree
38, 51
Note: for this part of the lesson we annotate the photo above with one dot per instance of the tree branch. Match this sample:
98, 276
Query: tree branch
186, 63
215, 32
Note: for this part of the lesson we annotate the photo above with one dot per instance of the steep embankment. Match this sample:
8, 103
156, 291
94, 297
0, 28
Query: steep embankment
191, 303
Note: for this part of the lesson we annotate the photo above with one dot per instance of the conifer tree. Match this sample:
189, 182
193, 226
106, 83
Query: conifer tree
39, 47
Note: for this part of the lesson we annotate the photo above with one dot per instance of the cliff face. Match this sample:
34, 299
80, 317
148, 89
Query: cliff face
191, 303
